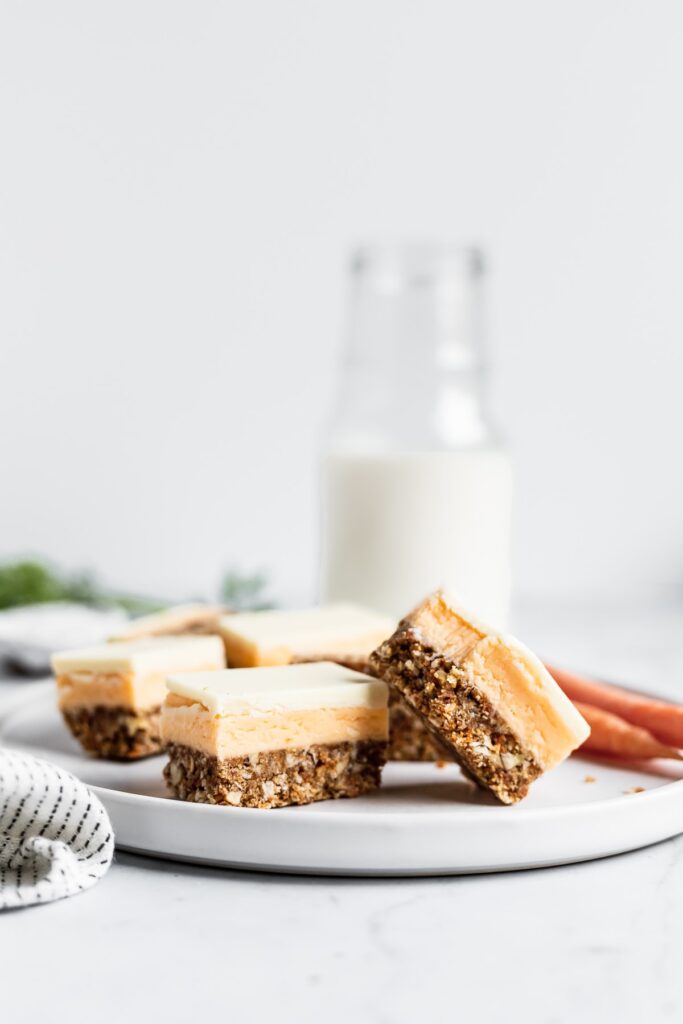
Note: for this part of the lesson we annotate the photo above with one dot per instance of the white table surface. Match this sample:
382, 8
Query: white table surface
596, 942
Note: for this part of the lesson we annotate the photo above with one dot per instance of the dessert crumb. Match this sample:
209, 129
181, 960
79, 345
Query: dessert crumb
441, 764
635, 789
589, 778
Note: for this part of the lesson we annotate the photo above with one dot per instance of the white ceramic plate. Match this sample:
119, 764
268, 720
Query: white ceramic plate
424, 821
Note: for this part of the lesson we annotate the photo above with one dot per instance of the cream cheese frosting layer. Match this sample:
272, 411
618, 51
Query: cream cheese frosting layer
514, 680
191, 725
279, 637
151, 655
87, 689
282, 688
114, 690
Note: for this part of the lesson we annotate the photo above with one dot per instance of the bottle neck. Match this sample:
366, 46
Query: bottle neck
414, 375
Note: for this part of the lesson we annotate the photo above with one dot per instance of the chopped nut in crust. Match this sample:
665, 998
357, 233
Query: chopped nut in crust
299, 776
117, 734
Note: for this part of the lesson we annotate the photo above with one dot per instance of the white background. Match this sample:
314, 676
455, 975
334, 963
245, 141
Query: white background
179, 187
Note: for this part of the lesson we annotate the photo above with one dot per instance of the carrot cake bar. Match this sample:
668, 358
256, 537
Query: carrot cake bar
344, 633
110, 696
270, 737
180, 620
483, 695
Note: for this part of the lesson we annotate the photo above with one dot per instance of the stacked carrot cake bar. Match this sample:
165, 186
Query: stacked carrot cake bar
482, 695
110, 696
343, 633
270, 737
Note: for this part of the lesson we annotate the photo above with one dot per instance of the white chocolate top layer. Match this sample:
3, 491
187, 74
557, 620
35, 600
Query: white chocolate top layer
285, 687
154, 654
276, 637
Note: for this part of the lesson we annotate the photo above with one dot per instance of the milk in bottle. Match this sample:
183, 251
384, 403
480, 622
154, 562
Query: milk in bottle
416, 486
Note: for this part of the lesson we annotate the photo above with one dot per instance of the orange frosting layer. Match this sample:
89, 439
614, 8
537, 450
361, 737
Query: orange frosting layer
191, 725
113, 689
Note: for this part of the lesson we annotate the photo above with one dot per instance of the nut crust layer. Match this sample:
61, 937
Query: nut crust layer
409, 737
456, 713
276, 778
117, 734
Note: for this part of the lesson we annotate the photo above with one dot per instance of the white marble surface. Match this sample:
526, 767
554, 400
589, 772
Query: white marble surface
596, 942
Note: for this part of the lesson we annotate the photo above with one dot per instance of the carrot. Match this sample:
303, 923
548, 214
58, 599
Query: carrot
610, 734
663, 720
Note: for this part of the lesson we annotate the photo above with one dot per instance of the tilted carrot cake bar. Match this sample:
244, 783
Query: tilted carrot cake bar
110, 696
270, 737
485, 696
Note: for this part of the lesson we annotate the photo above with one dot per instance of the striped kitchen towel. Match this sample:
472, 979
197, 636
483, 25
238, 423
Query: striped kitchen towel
55, 835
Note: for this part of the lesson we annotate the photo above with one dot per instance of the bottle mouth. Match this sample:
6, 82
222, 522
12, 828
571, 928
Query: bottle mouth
416, 263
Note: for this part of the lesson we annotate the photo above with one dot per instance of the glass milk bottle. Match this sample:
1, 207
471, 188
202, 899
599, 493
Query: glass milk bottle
416, 485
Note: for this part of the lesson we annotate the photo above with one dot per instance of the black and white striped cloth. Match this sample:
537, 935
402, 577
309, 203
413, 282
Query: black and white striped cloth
55, 836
